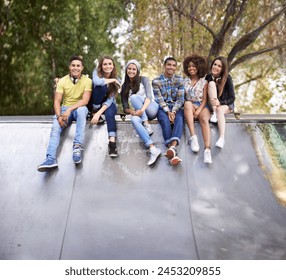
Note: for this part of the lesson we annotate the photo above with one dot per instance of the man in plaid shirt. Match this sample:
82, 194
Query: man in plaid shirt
169, 94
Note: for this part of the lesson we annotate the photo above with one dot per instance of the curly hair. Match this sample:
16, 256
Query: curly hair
200, 63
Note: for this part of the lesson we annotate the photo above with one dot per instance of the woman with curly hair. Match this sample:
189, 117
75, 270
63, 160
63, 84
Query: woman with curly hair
195, 106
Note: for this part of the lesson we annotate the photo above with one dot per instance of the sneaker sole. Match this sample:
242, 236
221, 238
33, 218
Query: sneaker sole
175, 161
113, 155
219, 146
206, 161
170, 154
46, 168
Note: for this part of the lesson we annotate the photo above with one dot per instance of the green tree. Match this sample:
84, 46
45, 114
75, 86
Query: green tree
38, 37
251, 34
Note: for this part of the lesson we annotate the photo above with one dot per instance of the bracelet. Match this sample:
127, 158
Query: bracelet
58, 116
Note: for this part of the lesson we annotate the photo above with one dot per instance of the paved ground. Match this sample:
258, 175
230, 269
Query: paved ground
123, 209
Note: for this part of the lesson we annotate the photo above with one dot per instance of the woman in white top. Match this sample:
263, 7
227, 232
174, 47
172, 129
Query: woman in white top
195, 106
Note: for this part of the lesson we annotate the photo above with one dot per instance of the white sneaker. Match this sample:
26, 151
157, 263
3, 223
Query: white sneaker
148, 127
154, 154
207, 156
220, 143
194, 144
213, 118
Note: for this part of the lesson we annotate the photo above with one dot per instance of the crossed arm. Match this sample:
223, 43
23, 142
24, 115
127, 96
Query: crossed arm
63, 118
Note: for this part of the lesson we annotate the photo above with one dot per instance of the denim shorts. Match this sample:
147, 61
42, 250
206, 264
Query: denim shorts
197, 103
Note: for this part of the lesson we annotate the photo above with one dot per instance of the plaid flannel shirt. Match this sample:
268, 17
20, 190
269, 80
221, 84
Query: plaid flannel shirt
169, 92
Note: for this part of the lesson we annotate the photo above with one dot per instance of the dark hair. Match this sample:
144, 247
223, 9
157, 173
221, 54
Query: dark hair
133, 85
170, 58
224, 73
76, 57
200, 63
112, 87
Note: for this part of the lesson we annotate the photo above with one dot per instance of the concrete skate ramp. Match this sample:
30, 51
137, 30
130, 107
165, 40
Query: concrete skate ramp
122, 209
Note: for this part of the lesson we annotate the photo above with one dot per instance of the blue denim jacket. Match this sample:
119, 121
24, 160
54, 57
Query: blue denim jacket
99, 85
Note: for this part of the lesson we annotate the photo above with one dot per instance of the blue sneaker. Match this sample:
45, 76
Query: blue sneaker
47, 165
76, 156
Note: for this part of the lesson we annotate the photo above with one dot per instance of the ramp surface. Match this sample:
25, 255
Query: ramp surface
122, 209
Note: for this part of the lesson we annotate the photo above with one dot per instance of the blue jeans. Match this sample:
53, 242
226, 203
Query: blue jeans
99, 96
171, 133
150, 113
141, 130
137, 102
78, 115
110, 113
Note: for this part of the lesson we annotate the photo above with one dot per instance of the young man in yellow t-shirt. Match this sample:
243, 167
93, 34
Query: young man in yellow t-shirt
72, 94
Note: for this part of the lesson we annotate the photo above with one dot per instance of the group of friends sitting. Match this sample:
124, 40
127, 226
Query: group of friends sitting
206, 94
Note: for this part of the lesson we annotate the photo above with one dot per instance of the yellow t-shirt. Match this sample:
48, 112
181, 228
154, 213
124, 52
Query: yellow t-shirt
72, 93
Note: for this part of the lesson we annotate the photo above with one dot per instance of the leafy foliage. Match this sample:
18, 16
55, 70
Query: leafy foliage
251, 34
38, 37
